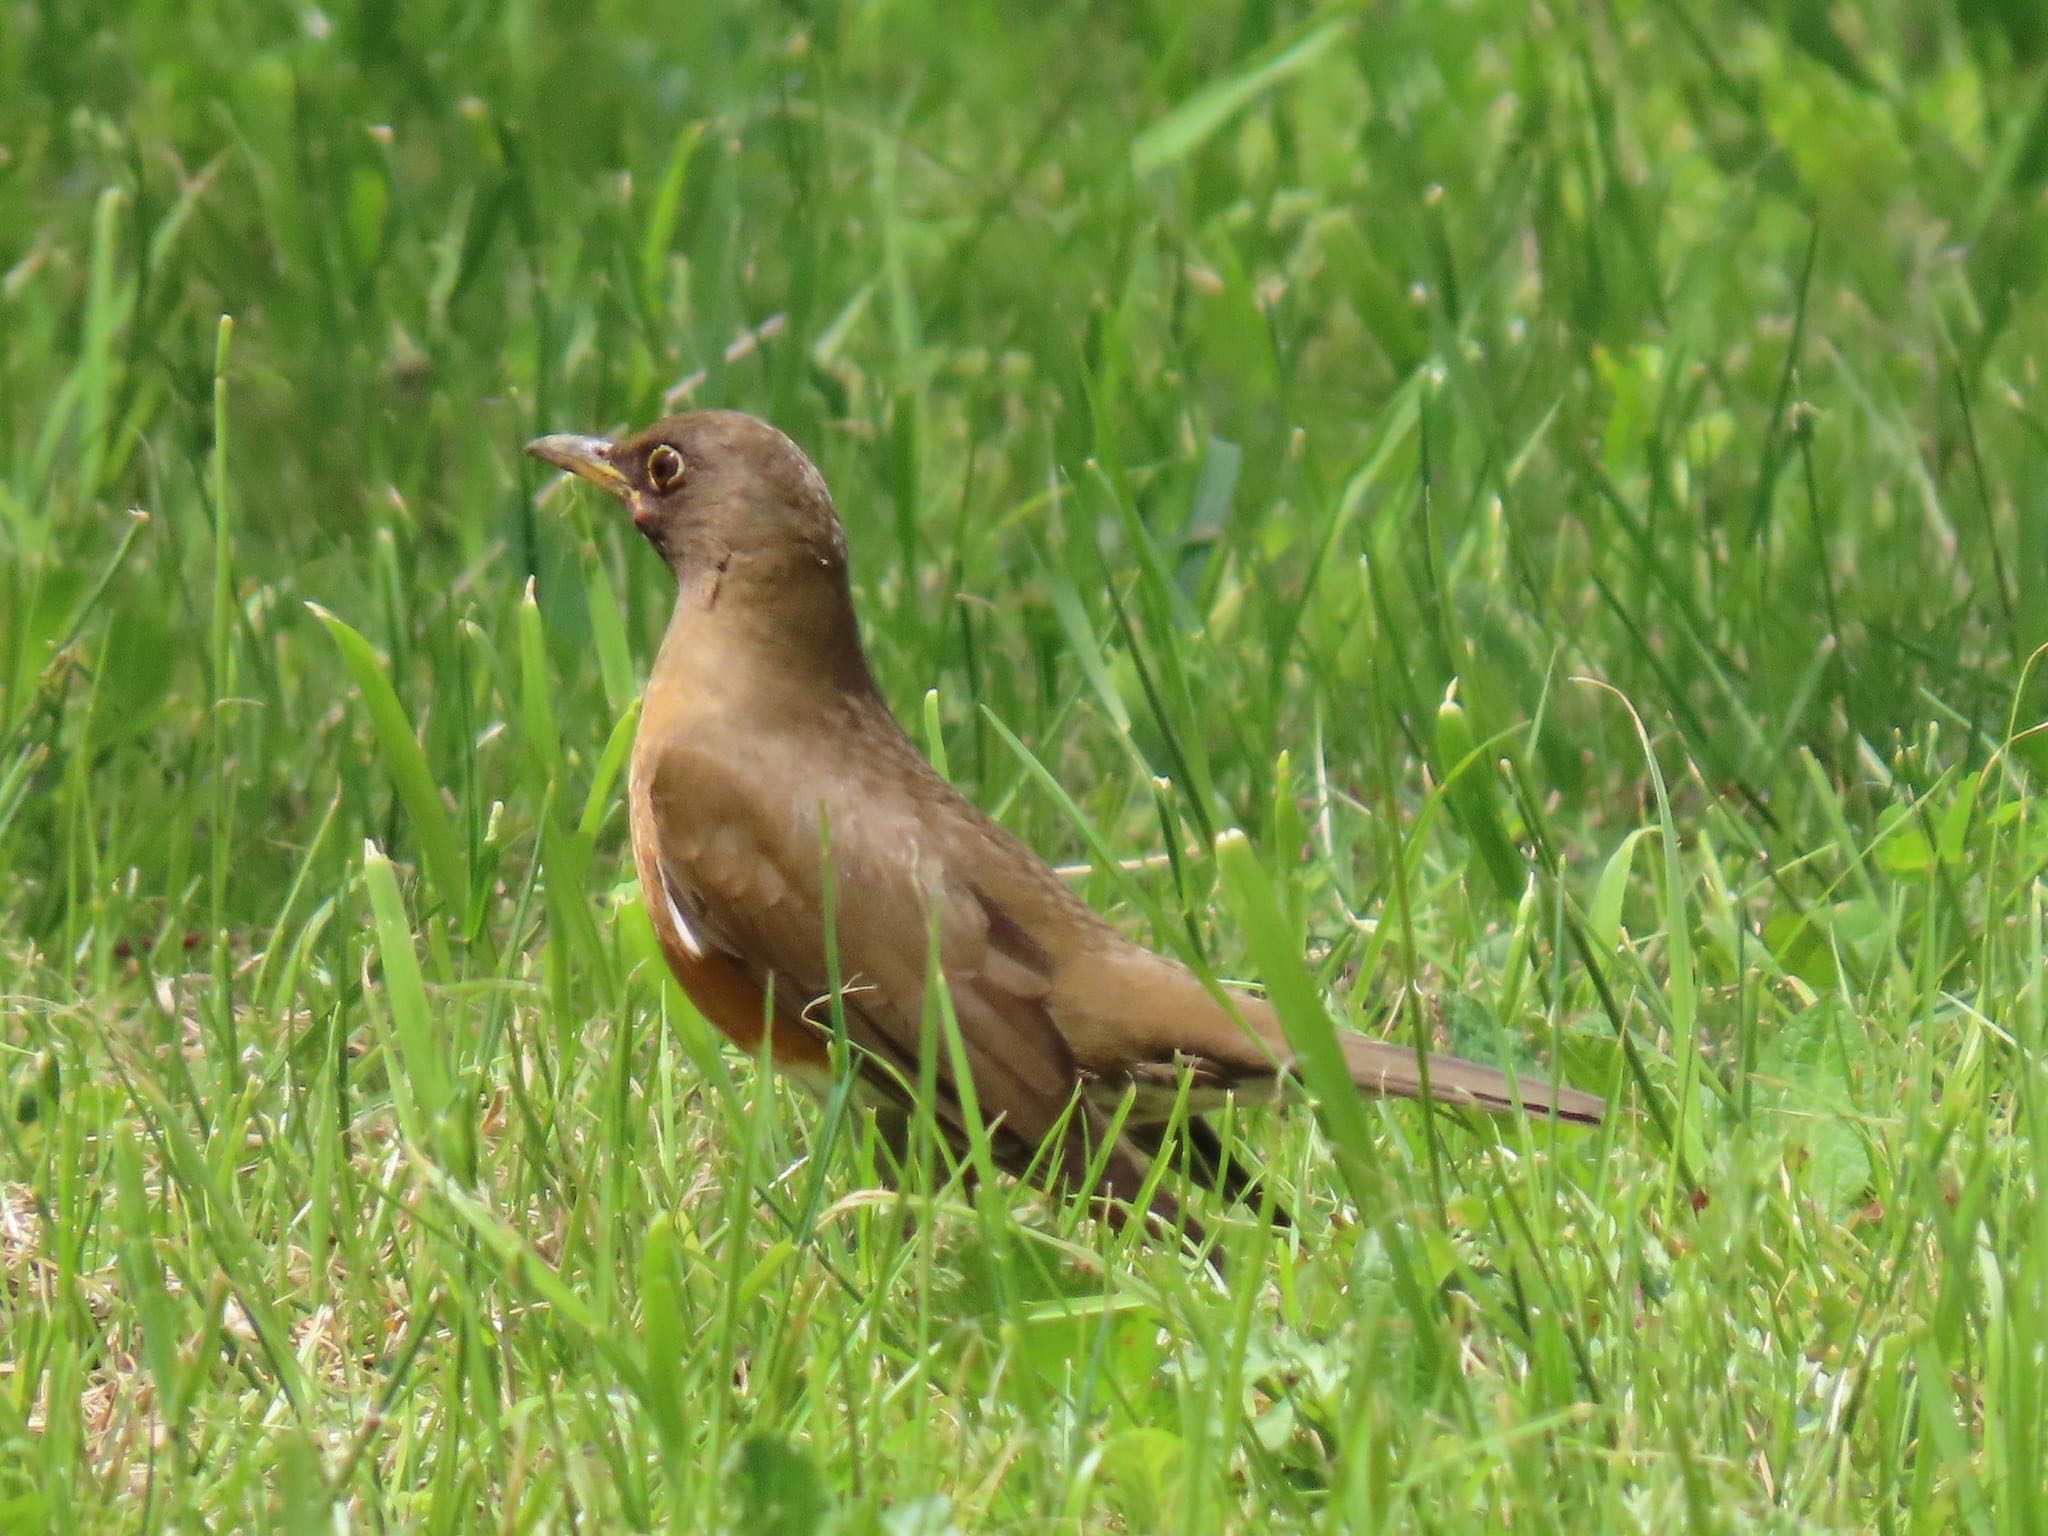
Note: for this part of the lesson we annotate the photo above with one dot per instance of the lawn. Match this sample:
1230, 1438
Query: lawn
1529, 524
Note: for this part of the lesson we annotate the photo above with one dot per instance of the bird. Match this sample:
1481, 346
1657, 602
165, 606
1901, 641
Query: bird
767, 762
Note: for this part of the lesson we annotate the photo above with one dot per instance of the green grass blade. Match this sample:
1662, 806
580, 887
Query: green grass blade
406, 763
1179, 132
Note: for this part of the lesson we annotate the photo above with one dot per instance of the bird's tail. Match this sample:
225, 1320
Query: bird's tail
1387, 1068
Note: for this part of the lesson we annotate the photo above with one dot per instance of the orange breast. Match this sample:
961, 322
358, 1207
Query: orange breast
724, 993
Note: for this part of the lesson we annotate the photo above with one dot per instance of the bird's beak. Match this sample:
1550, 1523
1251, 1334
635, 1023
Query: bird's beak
587, 457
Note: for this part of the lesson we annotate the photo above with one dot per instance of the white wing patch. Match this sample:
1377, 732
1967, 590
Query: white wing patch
684, 932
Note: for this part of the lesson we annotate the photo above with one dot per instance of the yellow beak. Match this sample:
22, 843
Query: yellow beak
587, 457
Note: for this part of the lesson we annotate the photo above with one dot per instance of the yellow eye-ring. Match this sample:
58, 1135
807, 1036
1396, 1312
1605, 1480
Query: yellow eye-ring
664, 468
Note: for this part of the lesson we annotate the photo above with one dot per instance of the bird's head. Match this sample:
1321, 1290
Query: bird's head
711, 490
746, 525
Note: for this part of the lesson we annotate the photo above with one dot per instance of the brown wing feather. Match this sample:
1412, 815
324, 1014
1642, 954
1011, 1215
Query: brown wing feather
1163, 1017
748, 866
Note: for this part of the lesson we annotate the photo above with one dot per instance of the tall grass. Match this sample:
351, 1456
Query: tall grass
1520, 530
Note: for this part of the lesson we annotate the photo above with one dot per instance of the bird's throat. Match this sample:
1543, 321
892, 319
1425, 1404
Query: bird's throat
739, 627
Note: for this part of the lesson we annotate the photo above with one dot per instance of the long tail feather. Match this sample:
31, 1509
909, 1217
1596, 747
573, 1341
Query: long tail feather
1383, 1067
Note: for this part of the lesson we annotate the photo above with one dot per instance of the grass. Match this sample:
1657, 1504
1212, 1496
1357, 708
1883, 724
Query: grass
1212, 394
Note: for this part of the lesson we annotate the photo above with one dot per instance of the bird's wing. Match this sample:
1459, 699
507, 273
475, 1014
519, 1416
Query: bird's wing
746, 864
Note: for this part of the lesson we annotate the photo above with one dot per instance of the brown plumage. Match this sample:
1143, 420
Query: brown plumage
762, 734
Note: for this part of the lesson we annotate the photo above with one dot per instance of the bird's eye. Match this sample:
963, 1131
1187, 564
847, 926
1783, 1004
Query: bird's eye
664, 468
